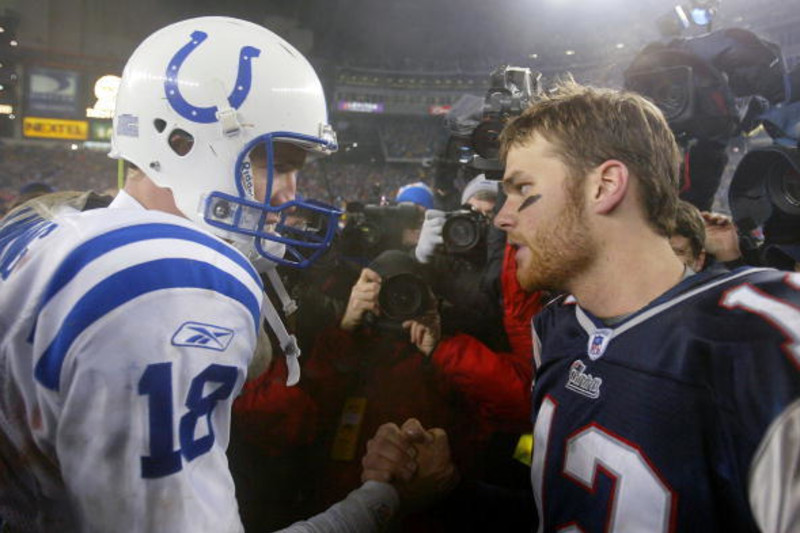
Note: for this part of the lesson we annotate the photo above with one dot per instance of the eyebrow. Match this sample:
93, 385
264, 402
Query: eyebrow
514, 177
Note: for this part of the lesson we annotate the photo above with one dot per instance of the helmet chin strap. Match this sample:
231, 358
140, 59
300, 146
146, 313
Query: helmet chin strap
226, 115
289, 305
287, 341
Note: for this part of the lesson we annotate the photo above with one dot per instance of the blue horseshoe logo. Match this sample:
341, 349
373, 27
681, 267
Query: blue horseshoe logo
206, 115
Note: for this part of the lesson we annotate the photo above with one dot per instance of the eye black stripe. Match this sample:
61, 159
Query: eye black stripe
529, 201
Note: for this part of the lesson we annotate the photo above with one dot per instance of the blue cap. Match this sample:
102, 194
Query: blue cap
416, 193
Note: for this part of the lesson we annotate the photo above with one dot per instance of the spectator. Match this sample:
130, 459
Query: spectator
689, 238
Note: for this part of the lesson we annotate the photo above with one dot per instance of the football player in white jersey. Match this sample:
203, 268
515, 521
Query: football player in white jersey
127, 331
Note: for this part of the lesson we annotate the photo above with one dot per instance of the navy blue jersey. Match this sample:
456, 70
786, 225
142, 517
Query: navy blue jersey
679, 418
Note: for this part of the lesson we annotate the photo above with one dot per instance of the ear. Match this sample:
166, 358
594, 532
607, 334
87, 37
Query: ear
609, 182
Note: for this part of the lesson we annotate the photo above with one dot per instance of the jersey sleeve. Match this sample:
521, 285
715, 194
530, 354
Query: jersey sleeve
369, 508
765, 395
774, 484
142, 341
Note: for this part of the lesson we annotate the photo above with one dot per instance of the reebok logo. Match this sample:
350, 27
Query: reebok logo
199, 335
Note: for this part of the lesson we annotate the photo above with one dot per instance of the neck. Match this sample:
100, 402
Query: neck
147, 193
627, 274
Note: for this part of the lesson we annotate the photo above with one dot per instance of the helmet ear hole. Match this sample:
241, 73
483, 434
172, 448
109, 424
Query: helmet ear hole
181, 142
160, 124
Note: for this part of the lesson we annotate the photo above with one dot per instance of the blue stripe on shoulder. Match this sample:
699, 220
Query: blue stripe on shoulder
125, 285
102, 244
10, 230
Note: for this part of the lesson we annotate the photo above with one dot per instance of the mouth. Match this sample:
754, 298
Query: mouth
514, 244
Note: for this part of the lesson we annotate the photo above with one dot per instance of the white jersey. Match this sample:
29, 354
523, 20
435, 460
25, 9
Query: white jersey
126, 335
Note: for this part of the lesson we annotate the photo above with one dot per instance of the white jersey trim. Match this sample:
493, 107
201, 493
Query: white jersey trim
591, 328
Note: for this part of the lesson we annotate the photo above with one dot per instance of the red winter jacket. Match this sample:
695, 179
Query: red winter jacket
496, 385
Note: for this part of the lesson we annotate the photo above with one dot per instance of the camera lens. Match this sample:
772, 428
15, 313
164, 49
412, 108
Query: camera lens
461, 233
402, 297
783, 184
790, 183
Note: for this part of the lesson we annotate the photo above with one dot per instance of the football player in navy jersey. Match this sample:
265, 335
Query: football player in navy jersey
663, 400
127, 331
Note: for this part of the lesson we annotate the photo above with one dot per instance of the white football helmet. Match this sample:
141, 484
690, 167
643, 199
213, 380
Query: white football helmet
226, 85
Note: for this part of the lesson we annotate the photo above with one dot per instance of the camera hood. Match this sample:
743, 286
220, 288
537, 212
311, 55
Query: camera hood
766, 184
404, 294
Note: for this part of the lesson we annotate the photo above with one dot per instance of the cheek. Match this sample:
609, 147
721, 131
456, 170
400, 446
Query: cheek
259, 184
530, 220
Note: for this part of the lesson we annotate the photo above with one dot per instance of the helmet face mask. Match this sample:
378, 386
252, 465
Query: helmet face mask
204, 108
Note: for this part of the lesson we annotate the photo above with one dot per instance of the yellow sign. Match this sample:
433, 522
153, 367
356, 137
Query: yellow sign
49, 128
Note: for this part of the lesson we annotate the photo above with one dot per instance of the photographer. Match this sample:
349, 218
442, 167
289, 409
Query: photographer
453, 247
364, 372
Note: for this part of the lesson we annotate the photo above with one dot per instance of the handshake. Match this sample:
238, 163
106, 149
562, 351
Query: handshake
414, 460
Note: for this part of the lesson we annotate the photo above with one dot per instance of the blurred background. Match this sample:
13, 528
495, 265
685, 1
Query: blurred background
391, 71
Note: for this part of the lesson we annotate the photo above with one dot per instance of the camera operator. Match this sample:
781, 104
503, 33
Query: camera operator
363, 372
453, 247
290, 429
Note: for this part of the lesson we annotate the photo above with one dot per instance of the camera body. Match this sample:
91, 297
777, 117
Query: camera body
404, 294
764, 193
476, 125
464, 231
695, 81
370, 229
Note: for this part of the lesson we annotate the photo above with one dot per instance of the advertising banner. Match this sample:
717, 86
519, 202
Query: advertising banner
49, 128
360, 107
52, 92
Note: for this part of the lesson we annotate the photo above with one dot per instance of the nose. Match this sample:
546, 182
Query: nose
284, 188
504, 219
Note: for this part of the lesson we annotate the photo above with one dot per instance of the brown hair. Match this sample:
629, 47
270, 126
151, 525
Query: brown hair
588, 126
689, 223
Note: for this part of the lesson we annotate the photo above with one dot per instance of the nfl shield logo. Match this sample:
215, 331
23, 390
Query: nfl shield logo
598, 342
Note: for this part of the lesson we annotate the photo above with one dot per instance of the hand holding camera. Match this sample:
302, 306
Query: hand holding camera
363, 299
425, 331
